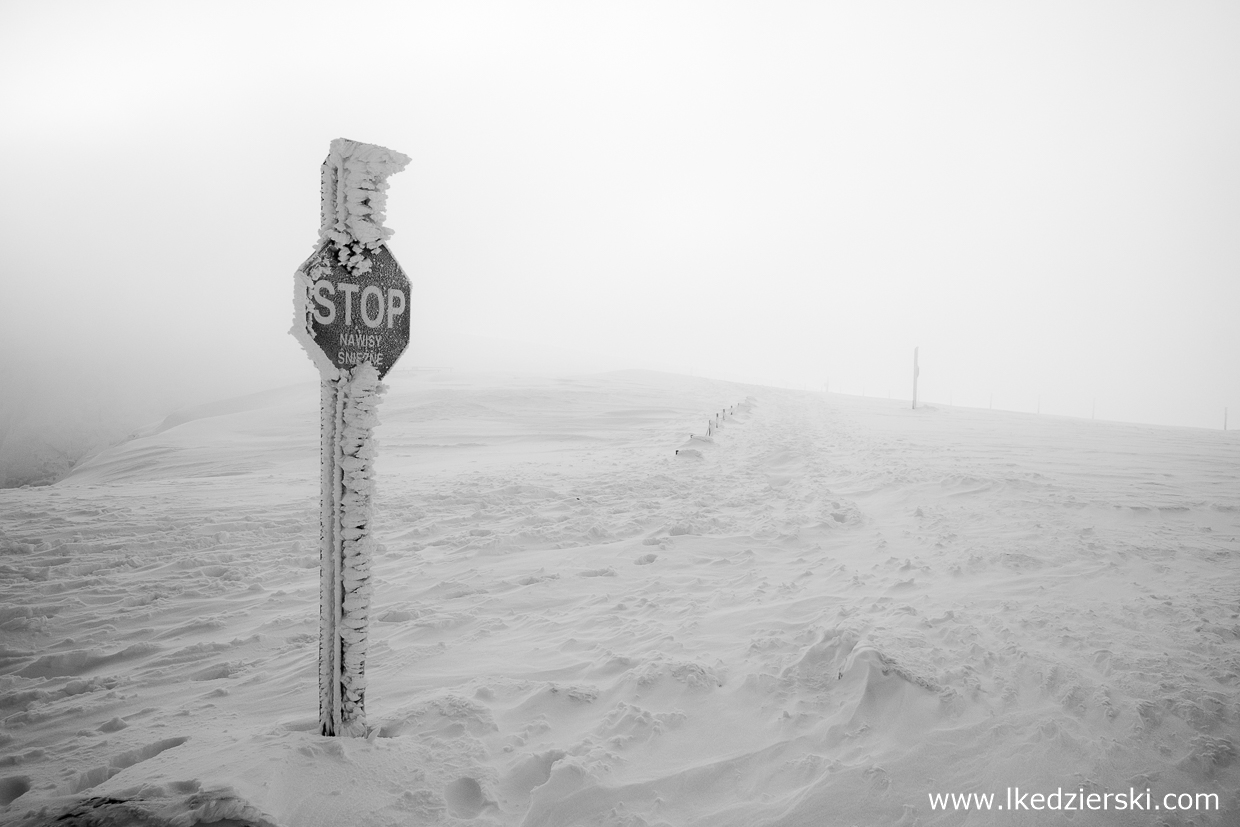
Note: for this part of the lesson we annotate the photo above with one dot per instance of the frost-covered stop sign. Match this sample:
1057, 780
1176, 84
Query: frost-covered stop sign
351, 314
351, 296
356, 318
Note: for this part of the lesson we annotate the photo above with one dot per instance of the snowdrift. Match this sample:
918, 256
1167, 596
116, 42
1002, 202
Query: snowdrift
828, 613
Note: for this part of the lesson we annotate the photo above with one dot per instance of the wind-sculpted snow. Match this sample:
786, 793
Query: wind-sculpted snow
354, 198
837, 607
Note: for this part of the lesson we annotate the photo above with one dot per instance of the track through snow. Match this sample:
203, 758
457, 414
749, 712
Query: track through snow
830, 610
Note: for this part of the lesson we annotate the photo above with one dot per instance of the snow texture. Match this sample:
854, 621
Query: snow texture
838, 606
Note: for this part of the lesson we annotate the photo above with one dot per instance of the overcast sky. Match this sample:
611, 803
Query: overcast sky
1045, 197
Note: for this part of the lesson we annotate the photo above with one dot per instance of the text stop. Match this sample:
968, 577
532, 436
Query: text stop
373, 308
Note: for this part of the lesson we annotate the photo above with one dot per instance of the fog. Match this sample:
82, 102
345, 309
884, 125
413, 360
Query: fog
1043, 197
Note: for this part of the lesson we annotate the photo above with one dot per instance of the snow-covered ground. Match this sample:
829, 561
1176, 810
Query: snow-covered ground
835, 609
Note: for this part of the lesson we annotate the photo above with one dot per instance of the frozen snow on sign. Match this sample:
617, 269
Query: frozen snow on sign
351, 296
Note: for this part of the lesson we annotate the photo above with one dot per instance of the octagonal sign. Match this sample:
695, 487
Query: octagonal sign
355, 318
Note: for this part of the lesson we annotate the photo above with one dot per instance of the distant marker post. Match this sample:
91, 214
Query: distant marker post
916, 373
351, 314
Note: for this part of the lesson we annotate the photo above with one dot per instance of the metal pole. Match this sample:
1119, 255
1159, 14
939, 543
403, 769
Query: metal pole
329, 392
350, 403
337, 563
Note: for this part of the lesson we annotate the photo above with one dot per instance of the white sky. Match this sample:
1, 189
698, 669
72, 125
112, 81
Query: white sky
1045, 197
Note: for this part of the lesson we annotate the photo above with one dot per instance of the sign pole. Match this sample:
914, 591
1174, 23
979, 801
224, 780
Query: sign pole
350, 314
328, 575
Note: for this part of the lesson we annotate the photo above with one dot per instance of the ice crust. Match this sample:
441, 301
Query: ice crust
354, 199
357, 455
347, 471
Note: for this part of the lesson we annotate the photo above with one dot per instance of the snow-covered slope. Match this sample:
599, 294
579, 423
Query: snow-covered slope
830, 611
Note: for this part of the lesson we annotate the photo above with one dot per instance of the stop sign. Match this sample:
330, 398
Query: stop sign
354, 317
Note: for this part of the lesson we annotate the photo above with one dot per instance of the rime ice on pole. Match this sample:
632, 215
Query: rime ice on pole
354, 198
355, 458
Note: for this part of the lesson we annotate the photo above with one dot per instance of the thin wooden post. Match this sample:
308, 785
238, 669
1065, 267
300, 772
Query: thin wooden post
916, 373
